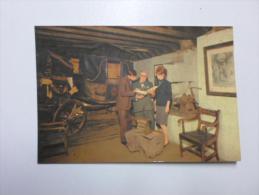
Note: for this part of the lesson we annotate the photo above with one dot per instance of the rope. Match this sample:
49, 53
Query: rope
60, 59
98, 73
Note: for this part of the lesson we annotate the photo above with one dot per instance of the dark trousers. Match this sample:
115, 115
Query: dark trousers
125, 123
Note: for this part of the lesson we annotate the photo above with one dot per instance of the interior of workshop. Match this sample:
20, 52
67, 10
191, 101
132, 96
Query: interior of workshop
80, 72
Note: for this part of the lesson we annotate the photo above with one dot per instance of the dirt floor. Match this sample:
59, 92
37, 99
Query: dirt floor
99, 142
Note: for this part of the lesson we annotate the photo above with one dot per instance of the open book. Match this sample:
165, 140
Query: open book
146, 92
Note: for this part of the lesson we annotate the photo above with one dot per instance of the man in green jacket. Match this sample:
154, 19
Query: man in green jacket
143, 104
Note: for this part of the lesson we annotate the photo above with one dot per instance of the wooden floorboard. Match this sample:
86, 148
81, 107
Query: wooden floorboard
99, 142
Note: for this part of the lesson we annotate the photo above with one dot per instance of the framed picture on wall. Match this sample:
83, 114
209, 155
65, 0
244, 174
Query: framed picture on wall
220, 70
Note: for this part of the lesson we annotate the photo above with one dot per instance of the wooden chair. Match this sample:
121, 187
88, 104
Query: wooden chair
53, 133
203, 139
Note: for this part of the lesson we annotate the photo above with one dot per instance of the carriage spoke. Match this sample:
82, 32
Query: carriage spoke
75, 115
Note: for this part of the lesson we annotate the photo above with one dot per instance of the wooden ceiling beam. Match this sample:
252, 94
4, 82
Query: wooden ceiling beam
47, 38
144, 47
61, 42
116, 30
99, 40
133, 54
89, 42
110, 36
43, 42
139, 56
163, 31
76, 50
50, 43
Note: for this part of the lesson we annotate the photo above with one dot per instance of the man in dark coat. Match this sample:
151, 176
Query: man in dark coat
125, 94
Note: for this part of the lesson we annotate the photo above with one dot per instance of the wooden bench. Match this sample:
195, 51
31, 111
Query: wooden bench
53, 133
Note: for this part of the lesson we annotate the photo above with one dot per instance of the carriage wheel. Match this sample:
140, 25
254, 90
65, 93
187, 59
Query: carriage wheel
73, 112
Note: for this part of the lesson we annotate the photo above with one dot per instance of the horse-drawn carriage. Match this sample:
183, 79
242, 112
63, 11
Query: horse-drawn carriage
75, 110
71, 101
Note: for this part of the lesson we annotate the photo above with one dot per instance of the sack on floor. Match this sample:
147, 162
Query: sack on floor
132, 138
151, 144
